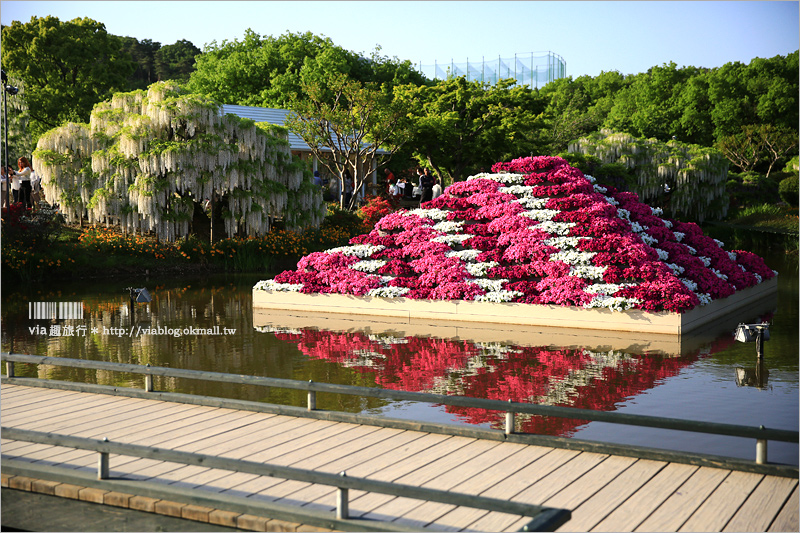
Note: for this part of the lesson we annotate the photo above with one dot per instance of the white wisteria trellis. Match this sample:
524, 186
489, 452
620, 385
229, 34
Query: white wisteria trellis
146, 157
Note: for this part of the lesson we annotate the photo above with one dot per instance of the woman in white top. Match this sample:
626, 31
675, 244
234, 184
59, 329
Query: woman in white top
24, 177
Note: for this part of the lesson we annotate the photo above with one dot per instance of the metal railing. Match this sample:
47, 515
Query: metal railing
544, 518
760, 434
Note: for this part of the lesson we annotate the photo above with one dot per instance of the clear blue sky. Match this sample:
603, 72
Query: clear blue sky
628, 36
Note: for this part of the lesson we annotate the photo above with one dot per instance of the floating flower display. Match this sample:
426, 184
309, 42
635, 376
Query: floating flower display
534, 231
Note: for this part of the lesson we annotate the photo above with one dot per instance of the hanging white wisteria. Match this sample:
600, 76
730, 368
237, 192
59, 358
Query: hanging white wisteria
696, 175
147, 157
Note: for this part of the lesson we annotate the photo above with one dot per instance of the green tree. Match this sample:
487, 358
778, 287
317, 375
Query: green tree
175, 61
143, 54
460, 126
344, 121
67, 67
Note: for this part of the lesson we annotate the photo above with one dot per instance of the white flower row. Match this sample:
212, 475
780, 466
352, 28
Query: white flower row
358, 250
636, 227
662, 254
691, 285
668, 224
435, 214
532, 202
719, 274
587, 271
369, 265
692, 251
573, 257
676, 269
492, 285
589, 178
606, 288
272, 285
563, 242
502, 177
480, 269
518, 190
758, 277
678, 235
498, 296
732, 256
600, 189
706, 261
542, 215
623, 214
704, 298
612, 200
648, 239
452, 239
657, 211
388, 292
614, 303
464, 255
449, 226
556, 228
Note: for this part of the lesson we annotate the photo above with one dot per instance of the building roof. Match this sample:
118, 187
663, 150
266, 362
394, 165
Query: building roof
273, 116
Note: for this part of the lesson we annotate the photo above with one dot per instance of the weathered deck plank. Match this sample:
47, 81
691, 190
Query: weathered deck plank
604, 493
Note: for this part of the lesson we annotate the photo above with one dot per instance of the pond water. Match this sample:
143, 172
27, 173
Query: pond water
707, 376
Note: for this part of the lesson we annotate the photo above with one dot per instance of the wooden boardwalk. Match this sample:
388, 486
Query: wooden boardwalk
604, 493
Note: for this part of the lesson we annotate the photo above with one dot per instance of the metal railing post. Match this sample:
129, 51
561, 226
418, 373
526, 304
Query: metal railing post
509, 421
102, 463
342, 501
312, 398
10, 369
148, 381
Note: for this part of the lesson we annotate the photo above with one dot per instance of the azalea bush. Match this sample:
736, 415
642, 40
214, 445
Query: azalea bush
538, 231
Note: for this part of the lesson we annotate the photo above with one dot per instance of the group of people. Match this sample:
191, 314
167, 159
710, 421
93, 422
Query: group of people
25, 185
426, 189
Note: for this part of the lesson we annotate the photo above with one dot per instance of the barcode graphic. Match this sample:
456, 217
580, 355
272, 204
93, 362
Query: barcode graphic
55, 310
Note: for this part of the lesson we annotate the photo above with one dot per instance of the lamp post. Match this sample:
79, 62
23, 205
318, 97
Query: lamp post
7, 89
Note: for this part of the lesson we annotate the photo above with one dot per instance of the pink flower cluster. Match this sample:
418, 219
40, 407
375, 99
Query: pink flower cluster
580, 245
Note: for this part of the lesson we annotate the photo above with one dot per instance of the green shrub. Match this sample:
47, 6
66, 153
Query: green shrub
788, 190
344, 220
751, 188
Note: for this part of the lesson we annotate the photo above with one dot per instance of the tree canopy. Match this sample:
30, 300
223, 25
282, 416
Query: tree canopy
67, 67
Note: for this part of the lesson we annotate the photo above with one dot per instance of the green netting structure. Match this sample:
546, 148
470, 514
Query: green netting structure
534, 69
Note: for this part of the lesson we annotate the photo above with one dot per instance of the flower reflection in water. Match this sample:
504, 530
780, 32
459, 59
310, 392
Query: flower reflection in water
571, 377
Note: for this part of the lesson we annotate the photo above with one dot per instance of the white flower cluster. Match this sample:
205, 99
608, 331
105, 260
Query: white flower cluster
449, 226
498, 296
464, 255
614, 303
491, 285
758, 277
612, 200
648, 239
542, 215
692, 251
636, 227
272, 285
358, 250
518, 190
732, 255
600, 189
532, 202
370, 265
663, 255
657, 211
676, 269
668, 224
502, 177
624, 214
435, 214
573, 257
589, 178
719, 243
563, 242
480, 269
388, 292
606, 288
587, 271
452, 239
678, 235
719, 274
706, 261
691, 285
556, 228
704, 298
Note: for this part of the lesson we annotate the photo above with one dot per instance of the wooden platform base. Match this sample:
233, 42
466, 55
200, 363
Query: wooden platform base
407, 310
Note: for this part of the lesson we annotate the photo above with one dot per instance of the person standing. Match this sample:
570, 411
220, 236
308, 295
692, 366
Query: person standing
348, 187
426, 183
24, 177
